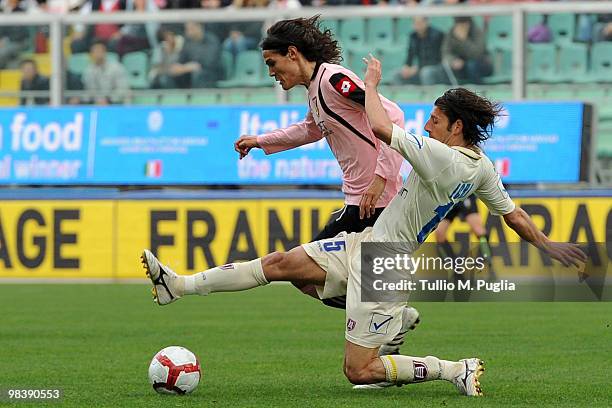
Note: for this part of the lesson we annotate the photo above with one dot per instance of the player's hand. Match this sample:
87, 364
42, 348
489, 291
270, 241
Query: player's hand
367, 205
374, 71
565, 252
245, 144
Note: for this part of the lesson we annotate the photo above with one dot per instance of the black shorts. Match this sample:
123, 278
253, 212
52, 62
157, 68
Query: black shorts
463, 208
347, 219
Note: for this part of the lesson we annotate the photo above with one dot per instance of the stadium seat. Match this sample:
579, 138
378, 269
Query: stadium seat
248, 71
227, 60
573, 62
10, 80
502, 67
406, 94
78, 62
541, 66
562, 27
601, 62
380, 31
352, 34
332, 25
499, 33
137, 66
297, 95
604, 141
403, 29
392, 58
174, 98
249, 96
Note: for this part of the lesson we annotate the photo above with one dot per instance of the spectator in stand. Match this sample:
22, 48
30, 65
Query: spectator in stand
165, 55
464, 50
198, 64
138, 37
31, 80
540, 33
84, 35
13, 39
424, 62
246, 34
105, 82
605, 33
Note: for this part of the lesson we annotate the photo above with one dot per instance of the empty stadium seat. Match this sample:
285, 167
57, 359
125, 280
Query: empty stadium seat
442, 23
573, 62
248, 71
541, 65
352, 34
499, 33
601, 62
392, 58
502, 67
380, 31
403, 29
78, 62
562, 27
204, 98
137, 66
331, 25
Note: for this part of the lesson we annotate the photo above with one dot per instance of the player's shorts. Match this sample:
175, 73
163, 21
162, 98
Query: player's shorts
368, 324
463, 209
347, 219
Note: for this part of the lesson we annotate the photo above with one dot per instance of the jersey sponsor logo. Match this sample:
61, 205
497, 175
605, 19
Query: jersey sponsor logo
350, 325
345, 86
333, 246
314, 106
379, 324
420, 370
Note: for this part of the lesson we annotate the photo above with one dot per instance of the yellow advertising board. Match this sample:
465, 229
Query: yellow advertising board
104, 239
57, 239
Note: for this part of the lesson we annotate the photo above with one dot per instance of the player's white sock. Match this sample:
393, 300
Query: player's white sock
405, 369
227, 278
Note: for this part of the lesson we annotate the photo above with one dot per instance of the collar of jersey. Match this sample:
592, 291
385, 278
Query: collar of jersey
315, 72
468, 152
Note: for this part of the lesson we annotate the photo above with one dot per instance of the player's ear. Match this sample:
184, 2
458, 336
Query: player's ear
292, 52
457, 127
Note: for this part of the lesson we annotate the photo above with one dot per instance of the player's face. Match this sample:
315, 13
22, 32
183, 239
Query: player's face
283, 68
437, 125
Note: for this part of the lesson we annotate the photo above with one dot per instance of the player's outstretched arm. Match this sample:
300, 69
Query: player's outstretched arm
381, 124
566, 253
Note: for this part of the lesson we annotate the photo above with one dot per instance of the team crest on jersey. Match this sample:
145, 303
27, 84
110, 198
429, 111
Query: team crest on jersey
420, 370
314, 106
345, 86
350, 325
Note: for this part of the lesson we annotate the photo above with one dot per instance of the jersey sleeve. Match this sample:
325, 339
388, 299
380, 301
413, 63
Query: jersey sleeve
493, 193
290, 137
348, 88
427, 156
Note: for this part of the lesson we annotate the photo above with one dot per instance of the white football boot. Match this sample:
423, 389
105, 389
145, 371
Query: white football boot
467, 380
410, 319
165, 281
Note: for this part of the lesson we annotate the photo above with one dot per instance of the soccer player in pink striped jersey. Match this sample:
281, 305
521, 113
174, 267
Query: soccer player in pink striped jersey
297, 52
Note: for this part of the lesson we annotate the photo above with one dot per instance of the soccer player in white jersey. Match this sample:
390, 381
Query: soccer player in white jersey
448, 166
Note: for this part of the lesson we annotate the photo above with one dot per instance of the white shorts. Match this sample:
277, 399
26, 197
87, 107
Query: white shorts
368, 324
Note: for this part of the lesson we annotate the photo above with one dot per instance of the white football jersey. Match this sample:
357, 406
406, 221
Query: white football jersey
441, 177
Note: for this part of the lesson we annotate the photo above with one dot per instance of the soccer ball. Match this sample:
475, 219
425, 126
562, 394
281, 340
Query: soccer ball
174, 370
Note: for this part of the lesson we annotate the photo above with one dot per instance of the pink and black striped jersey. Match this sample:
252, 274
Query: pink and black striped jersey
336, 101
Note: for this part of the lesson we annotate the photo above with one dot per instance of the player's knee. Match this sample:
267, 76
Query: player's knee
275, 266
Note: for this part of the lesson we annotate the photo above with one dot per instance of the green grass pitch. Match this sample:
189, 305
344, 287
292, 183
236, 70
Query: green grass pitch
272, 347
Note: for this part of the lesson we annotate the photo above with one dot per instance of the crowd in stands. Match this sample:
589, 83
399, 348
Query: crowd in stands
189, 55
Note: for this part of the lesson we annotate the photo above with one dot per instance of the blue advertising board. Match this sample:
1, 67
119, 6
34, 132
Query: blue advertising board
194, 145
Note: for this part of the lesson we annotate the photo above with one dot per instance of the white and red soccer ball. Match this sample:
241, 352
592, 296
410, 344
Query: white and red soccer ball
174, 370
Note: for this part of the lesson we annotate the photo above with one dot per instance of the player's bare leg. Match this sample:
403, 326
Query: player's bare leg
363, 366
294, 265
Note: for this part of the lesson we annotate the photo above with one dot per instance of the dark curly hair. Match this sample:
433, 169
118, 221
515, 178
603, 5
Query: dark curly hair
476, 112
305, 34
